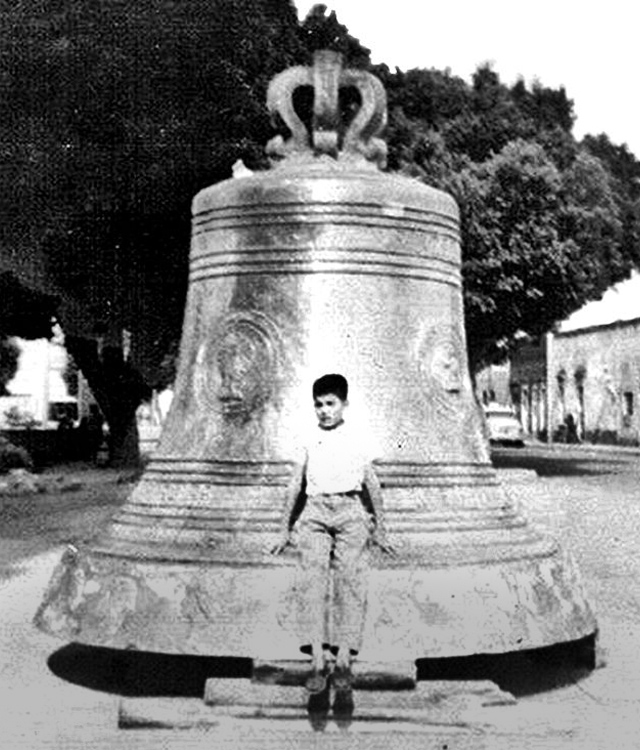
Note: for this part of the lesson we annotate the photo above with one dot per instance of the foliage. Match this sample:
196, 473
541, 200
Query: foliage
24, 312
17, 419
624, 171
511, 245
9, 358
119, 114
590, 218
13, 457
536, 243
118, 388
115, 115
321, 31
546, 224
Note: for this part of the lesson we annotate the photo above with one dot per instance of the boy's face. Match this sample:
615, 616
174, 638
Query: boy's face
329, 410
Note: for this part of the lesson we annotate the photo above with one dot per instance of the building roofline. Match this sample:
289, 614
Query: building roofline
599, 327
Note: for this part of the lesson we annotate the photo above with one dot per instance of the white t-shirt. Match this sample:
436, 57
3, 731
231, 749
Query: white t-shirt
335, 460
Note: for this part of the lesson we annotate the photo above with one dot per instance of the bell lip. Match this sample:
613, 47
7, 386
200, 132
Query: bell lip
545, 605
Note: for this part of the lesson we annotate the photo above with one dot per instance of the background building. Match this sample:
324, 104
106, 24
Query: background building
583, 380
492, 384
39, 390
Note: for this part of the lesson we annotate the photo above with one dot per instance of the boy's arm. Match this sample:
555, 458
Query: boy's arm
374, 495
294, 497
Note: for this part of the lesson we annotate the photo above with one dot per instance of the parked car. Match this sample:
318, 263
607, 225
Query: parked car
503, 426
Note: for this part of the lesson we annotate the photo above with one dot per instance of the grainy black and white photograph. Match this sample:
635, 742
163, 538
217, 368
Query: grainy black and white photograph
319, 375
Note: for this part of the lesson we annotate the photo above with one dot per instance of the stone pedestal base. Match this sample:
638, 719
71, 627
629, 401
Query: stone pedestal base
234, 705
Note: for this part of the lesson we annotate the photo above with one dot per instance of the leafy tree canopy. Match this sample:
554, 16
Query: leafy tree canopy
547, 223
24, 312
320, 30
115, 114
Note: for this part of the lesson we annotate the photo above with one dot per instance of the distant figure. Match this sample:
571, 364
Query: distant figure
571, 429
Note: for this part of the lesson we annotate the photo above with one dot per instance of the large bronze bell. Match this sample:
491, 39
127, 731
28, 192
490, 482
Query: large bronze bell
321, 264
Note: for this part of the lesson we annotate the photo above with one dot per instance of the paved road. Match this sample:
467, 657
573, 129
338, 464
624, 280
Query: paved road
589, 501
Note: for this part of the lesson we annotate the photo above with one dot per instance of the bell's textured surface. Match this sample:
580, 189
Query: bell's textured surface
321, 264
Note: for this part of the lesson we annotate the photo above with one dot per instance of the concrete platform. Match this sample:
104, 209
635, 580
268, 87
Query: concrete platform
241, 703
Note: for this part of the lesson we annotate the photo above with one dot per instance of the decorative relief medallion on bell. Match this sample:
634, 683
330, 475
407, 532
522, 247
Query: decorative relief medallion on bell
239, 372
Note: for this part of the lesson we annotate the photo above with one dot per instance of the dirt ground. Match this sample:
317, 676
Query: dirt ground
76, 501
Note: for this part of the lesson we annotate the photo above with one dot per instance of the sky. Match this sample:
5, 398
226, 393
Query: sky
620, 302
589, 48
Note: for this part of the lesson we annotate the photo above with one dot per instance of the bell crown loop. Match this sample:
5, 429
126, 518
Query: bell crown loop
330, 134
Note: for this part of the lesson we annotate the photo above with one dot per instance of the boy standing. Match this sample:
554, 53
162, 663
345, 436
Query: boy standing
336, 497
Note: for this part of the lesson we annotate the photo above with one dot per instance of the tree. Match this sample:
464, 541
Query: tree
513, 258
115, 115
590, 218
537, 244
546, 226
24, 311
9, 358
321, 31
432, 97
624, 169
118, 388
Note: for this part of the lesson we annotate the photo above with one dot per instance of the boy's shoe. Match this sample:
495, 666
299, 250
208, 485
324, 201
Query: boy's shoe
316, 682
318, 709
343, 708
342, 679
343, 685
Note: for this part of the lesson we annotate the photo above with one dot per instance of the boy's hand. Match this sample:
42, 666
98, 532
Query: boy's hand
378, 539
286, 540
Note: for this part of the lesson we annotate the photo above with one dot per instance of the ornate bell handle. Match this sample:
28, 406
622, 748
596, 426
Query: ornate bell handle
327, 77
326, 117
370, 119
280, 101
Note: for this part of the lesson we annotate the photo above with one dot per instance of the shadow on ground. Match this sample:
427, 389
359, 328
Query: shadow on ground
136, 673
139, 673
520, 673
557, 466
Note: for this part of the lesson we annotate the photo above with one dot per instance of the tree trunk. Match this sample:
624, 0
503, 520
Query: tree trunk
124, 441
119, 390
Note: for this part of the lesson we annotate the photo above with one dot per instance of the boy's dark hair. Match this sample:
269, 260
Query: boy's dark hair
334, 384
